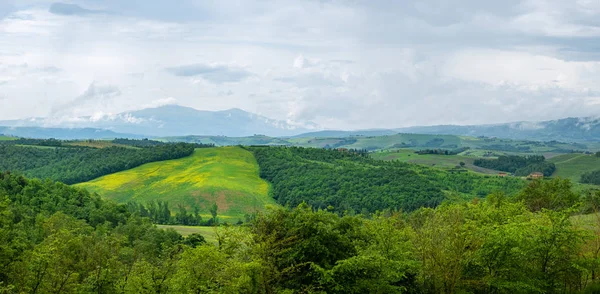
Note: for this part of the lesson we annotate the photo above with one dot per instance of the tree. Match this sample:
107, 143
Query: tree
462, 164
213, 212
553, 194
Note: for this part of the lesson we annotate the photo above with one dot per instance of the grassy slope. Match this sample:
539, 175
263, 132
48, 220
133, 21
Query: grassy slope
572, 166
225, 175
440, 161
6, 138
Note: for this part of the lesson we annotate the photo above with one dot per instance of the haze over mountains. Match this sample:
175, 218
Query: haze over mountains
175, 120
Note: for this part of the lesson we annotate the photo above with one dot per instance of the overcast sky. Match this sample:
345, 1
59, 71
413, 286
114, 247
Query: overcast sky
341, 64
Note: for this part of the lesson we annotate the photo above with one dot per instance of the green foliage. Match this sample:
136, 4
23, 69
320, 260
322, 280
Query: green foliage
510, 163
591, 177
348, 182
343, 180
59, 239
65, 164
547, 168
556, 194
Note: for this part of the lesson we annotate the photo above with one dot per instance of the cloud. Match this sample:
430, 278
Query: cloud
161, 102
342, 64
212, 73
71, 9
92, 97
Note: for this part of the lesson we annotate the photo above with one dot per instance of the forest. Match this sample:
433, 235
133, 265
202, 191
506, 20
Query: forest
347, 182
519, 165
59, 239
65, 164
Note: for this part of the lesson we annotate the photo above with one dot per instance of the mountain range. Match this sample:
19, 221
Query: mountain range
175, 120
170, 120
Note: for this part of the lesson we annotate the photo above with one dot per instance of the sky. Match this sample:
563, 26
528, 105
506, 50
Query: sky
340, 64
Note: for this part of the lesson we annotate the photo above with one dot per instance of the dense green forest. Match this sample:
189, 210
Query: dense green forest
354, 183
79, 164
519, 165
59, 239
442, 151
591, 178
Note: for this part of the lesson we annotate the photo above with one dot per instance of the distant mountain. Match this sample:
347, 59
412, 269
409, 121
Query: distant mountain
567, 130
64, 133
174, 120
343, 134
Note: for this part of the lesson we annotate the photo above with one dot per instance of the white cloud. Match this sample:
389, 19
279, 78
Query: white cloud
342, 64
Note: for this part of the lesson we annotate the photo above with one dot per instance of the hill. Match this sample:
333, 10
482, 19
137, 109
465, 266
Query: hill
573, 129
345, 181
62, 133
227, 176
432, 160
6, 138
479, 145
572, 166
170, 120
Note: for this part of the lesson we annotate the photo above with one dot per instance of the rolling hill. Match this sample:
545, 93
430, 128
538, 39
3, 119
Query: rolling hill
572, 166
227, 176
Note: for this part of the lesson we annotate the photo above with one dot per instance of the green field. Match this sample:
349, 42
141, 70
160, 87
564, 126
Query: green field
432, 160
6, 138
227, 176
572, 166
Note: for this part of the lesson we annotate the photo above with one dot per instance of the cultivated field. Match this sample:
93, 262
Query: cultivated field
225, 175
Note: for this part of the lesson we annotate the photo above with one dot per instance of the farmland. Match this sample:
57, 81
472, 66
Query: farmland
227, 176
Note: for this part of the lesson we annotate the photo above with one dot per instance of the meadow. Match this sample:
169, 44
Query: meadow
572, 166
227, 176
431, 160
6, 138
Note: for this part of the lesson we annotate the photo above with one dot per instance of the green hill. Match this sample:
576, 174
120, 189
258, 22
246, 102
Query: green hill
572, 166
432, 160
225, 175
6, 138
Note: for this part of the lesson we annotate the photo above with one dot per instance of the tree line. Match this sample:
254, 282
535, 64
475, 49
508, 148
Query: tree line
519, 165
442, 151
59, 239
159, 212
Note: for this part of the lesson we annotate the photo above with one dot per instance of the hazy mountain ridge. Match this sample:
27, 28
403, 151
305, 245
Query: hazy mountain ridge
572, 129
174, 120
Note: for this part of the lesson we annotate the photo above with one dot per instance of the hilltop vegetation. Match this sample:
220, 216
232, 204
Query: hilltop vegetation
345, 181
519, 165
227, 176
78, 164
56, 238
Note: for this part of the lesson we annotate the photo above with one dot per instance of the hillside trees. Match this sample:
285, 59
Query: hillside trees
519, 165
55, 238
592, 177
66, 164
